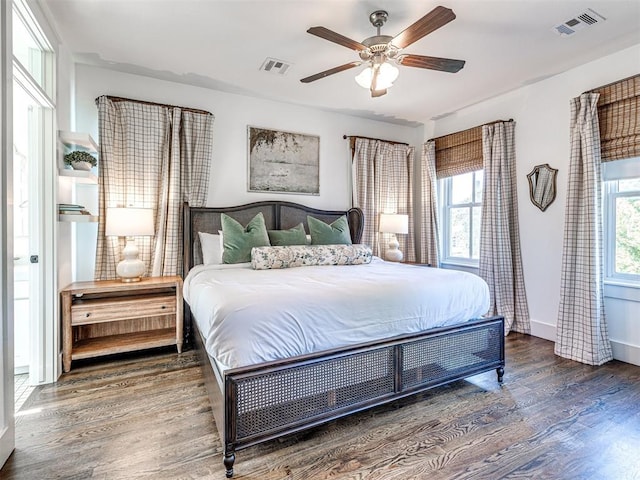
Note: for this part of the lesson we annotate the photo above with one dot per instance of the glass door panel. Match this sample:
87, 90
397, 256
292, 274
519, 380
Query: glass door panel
26, 115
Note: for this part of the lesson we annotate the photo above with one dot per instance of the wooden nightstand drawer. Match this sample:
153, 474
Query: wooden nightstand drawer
110, 310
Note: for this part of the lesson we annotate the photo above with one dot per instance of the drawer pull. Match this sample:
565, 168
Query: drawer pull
163, 307
87, 315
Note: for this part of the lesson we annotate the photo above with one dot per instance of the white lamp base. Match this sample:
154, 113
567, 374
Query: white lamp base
393, 253
131, 268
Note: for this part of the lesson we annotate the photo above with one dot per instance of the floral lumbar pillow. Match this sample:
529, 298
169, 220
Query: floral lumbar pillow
266, 258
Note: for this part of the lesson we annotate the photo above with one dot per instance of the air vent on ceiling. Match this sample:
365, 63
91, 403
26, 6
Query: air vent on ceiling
273, 65
585, 19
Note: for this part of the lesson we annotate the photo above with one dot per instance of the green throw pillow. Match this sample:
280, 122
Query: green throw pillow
335, 234
293, 236
238, 240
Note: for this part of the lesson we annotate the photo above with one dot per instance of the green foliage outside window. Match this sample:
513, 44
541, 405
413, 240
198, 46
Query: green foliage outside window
628, 235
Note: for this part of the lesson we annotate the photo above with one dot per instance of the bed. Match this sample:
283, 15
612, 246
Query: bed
259, 394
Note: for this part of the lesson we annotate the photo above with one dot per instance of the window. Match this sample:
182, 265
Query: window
461, 200
622, 220
32, 51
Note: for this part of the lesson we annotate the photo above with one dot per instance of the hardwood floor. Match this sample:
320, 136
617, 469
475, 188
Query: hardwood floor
148, 416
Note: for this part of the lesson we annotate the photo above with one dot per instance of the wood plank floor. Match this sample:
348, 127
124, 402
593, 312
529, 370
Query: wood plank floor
148, 416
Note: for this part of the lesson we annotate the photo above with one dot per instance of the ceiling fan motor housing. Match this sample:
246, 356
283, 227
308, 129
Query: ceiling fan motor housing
378, 45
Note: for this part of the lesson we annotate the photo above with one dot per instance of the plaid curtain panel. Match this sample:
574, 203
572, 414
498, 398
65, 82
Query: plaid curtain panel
151, 156
382, 183
500, 258
581, 332
428, 234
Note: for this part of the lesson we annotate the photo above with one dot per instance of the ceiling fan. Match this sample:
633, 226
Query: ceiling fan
378, 50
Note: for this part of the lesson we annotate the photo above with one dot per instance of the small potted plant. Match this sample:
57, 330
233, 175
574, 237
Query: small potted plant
80, 160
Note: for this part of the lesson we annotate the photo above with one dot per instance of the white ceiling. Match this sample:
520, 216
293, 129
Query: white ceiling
221, 44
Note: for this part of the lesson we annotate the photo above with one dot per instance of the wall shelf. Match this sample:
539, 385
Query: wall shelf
77, 218
78, 141
79, 176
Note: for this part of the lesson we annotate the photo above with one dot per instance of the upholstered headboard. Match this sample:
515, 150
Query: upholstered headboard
277, 216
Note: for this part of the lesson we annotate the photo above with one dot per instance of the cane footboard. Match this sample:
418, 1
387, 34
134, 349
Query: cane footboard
259, 403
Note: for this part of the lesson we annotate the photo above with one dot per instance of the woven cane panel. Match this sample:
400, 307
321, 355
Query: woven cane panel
433, 359
274, 400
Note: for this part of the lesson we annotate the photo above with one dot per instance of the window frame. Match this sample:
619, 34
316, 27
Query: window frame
38, 76
445, 201
612, 173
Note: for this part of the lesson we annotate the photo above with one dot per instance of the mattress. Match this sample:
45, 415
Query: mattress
248, 317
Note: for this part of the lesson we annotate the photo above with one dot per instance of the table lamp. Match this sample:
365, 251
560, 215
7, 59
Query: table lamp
130, 222
393, 223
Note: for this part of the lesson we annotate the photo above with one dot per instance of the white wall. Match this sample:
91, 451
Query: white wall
64, 113
541, 112
233, 113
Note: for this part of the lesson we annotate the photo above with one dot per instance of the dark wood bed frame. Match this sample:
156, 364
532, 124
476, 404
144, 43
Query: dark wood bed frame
262, 402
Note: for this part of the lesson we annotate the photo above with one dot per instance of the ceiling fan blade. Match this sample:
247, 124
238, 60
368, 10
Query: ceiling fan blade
336, 38
331, 71
433, 20
432, 63
378, 93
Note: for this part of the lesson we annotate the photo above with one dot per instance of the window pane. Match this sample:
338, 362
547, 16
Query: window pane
27, 50
627, 256
479, 184
459, 228
461, 188
477, 219
629, 185
25, 110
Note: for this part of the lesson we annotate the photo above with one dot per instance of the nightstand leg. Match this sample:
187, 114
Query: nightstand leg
179, 317
67, 338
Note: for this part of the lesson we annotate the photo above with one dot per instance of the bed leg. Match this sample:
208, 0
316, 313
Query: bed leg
500, 372
228, 460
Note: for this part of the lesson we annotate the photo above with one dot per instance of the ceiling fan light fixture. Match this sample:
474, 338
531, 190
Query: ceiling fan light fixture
364, 77
386, 76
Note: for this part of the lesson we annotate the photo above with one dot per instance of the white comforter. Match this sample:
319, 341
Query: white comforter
252, 316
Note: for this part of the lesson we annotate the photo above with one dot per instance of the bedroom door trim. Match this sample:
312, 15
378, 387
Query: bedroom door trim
7, 420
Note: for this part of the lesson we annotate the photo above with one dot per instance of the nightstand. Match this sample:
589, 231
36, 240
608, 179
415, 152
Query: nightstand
108, 316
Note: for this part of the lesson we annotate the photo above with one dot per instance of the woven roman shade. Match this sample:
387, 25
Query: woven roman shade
619, 118
459, 153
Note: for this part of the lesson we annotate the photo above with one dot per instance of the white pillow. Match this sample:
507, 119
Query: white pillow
211, 246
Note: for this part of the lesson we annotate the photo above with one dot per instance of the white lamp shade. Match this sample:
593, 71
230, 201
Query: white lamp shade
393, 223
129, 222
386, 76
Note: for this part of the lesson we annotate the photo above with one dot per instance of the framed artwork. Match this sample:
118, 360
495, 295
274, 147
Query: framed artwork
283, 162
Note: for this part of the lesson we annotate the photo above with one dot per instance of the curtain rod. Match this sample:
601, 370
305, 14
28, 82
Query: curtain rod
594, 90
379, 139
144, 102
488, 123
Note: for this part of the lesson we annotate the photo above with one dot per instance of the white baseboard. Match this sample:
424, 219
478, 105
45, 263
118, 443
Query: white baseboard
625, 352
622, 351
543, 330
